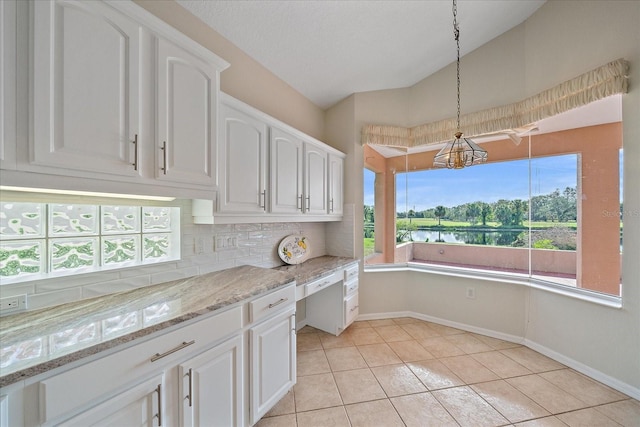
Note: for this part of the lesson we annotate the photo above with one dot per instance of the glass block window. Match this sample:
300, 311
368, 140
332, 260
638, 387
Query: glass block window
39, 240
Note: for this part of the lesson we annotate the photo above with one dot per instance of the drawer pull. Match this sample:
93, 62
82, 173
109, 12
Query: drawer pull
354, 308
280, 301
173, 350
320, 285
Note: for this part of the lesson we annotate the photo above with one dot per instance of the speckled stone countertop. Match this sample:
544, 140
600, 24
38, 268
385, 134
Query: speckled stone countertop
35, 342
315, 267
41, 340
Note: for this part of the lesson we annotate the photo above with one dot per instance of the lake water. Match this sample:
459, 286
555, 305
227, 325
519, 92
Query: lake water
492, 238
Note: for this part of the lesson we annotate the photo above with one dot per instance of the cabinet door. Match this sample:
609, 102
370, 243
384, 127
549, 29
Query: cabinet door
285, 172
243, 163
273, 362
211, 387
141, 405
315, 180
336, 184
85, 87
186, 121
8, 84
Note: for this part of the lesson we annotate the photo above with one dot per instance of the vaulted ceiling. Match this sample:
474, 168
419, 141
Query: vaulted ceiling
327, 49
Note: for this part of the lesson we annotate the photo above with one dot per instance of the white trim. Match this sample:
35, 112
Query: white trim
271, 121
463, 326
612, 382
159, 27
497, 276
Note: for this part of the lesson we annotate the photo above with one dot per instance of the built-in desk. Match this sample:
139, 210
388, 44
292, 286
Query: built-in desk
329, 287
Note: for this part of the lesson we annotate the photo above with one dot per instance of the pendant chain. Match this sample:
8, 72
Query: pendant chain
456, 35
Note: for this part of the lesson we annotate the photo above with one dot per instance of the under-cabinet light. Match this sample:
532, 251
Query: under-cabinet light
86, 193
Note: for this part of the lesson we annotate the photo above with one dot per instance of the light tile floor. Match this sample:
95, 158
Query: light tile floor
408, 372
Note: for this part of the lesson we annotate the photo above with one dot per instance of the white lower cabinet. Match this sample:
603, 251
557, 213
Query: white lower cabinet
211, 386
141, 405
196, 375
273, 361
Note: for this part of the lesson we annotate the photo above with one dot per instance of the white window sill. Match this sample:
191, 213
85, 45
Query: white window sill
498, 276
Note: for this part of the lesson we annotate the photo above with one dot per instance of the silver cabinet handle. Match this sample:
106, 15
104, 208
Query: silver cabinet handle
164, 157
325, 283
190, 374
280, 301
173, 350
354, 308
159, 414
331, 210
263, 196
308, 203
135, 152
299, 206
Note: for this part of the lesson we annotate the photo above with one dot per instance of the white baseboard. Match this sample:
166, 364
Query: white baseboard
614, 383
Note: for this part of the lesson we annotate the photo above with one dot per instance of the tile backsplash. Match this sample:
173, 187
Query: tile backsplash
257, 245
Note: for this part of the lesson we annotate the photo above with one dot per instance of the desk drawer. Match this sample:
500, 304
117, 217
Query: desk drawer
321, 283
351, 272
350, 287
272, 303
350, 309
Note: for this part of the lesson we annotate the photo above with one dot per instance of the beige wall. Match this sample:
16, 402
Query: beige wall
245, 79
561, 40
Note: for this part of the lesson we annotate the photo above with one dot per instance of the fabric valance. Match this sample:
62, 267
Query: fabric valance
604, 81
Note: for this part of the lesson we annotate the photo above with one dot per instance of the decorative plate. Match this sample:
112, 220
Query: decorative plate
294, 249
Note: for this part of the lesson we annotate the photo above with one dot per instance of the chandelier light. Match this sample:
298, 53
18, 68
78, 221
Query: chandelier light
460, 152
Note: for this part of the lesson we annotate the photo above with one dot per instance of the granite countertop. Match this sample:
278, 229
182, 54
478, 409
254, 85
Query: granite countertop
37, 341
41, 340
315, 267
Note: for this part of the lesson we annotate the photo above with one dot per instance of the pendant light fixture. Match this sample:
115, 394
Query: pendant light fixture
460, 152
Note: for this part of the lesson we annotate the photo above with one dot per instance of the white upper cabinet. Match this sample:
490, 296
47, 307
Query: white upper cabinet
242, 165
8, 69
269, 170
315, 162
286, 188
336, 184
186, 121
106, 92
86, 77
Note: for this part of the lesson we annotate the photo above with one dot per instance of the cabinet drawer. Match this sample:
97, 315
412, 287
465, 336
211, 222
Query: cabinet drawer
321, 283
350, 309
351, 272
272, 303
350, 287
84, 386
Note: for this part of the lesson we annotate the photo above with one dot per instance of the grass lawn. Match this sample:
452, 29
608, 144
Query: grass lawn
369, 246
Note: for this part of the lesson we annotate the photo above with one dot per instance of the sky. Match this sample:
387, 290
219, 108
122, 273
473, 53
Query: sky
487, 183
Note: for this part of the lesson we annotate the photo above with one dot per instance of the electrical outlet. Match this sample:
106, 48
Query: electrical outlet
471, 293
14, 303
224, 243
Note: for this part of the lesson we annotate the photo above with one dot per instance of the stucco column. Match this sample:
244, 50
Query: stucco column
598, 255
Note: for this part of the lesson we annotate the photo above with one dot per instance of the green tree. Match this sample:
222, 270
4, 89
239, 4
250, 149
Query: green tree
473, 212
440, 212
485, 212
